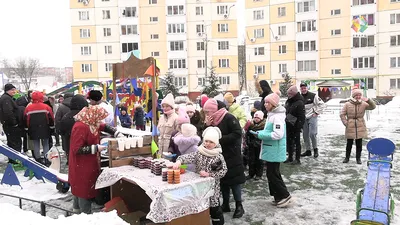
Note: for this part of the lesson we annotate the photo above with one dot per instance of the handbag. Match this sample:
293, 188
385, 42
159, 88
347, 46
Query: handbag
291, 119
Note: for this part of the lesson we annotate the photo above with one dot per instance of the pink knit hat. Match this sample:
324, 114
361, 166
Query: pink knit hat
190, 108
259, 115
211, 105
273, 98
292, 91
203, 99
356, 92
183, 117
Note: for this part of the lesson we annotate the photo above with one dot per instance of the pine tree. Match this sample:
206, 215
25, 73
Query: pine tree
285, 85
168, 85
212, 86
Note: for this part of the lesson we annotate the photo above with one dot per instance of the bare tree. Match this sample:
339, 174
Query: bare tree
24, 68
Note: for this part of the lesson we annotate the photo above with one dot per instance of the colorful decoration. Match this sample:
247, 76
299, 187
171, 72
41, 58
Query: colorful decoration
359, 24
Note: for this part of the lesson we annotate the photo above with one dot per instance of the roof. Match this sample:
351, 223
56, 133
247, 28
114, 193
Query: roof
333, 83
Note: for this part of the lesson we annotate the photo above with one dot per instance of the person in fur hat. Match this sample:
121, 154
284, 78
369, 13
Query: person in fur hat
209, 162
187, 141
167, 124
253, 146
263, 89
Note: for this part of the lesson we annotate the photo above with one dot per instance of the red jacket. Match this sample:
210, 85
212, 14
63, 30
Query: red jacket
83, 168
39, 118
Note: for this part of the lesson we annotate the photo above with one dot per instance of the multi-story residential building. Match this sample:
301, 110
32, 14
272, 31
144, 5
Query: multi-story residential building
185, 36
313, 40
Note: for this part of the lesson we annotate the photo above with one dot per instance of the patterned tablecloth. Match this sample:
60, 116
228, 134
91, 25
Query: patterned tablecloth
169, 201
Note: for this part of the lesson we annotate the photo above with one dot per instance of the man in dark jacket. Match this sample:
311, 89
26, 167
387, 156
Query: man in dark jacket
9, 118
63, 109
22, 103
25, 100
295, 117
264, 92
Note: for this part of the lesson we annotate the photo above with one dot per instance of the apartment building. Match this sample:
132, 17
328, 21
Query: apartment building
313, 40
178, 33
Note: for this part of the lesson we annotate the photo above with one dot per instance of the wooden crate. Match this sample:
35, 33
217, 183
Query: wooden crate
122, 158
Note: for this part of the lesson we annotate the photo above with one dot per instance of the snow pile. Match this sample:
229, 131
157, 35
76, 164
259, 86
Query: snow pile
9, 213
395, 102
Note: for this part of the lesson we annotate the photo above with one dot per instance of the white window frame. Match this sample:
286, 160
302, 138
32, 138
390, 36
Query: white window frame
132, 12
201, 63
259, 69
259, 51
259, 33
396, 39
154, 36
175, 10
224, 80
281, 11
201, 81
152, 2
336, 32
154, 19
108, 67
199, 10
84, 33
131, 29
107, 32
258, 14
86, 50
223, 45
223, 63
127, 46
106, 14
176, 28
396, 61
306, 6
83, 15
199, 28
282, 30
282, 49
394, 18
366, 17
155, 54
180, 81
306, 65
336, 12
396, 83
222, 9
336, 71
364, 60
176, 45
200, 46
306, 43
306, 26
177, 64
282, 67
86, 68
108, 49
336, 51
363, 42
362, 2
223, 28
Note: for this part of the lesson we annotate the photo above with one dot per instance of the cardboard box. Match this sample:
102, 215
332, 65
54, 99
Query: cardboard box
118, 204
133, 218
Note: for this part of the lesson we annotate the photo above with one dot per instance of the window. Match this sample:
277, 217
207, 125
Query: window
201, 81
259, 33
364, 42
152, 2
176, 28
370, 83
154, 19
281, 11
223, 27
128, 29
336, 71
107, 32
394, 0
200, 46
336, 51
394, 62
258, 14
395, 83
364, 2
86, 68
224, 80
307, 65
306, 46
282, 68
364, 62
282, 49
395, 40
306, 6
199, 10
129, 12
200, 28
223, 45
177, 63
176, 45
105, 0
394, 18
153, 36
370, 18
128, 47
86, 50
180, 81
282, 30
175, 10
223, 63
108, 67
259, 51
335, 12
83, 15
108, 49
222, 9
259, 69
201, 63
307, 25
85, 33
106, 14
336, 32
154, 54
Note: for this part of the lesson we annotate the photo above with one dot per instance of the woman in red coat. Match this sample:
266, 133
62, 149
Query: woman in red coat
84, 164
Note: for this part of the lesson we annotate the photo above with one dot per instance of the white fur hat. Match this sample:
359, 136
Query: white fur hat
188, 130
212, 134
169, 100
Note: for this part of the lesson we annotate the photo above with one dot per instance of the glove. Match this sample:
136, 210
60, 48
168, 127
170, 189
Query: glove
118, 134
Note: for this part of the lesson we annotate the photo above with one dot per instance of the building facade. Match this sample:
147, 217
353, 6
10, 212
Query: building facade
185, 36
313, 40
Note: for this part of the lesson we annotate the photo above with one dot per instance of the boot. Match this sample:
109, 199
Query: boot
358, 160
358, 154
306, 153
296, 162
239, 211
346, 160
316, 153
226, 207
288, 160
217, 217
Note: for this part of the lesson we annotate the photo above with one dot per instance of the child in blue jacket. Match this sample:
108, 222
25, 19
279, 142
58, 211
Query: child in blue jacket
124, 118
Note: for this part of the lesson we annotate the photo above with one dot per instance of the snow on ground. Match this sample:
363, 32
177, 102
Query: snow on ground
324, 189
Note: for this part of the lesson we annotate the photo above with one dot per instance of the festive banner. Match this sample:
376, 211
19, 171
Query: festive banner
359, 24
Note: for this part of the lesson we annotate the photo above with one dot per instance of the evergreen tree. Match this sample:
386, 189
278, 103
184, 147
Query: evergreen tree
285, 85
168, 85
212, 86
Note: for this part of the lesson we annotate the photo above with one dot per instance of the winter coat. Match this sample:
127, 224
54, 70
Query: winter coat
196, 121
63, 109
125, 120
265, 90
166, 125
312, 104
23, 101
238, 112
83, 169
8, 111
172, 147
352, 116
39, 119
274, 136
139, 116
215, 166
231, 144
295, 113
252, 142
187, 145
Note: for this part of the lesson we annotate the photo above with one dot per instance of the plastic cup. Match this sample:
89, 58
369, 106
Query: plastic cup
133, 142
121, 144
140, 142
127, 143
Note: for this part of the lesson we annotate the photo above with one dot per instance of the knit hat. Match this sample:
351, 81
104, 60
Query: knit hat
169, 100
356, 92
211, 105
190, 108
273, 98
257, 105
8, 87
95, 95
303, 84
229, 98
188, 130
182, 117
203, 99
212, 134
259, 115
292, 91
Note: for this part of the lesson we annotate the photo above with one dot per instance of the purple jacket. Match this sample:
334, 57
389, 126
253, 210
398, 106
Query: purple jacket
187, 145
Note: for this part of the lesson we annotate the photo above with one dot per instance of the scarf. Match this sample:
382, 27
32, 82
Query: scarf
92, 116
169, 112
209, 153
218, 116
